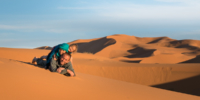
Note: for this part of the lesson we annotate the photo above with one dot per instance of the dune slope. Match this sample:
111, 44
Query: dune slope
21, 81
145, 74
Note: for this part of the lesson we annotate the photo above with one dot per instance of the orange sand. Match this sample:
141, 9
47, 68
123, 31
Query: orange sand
117, 67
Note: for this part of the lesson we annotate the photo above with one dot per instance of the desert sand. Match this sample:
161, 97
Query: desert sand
117, 67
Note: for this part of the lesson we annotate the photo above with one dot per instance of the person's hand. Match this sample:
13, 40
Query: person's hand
59, 70
70, 72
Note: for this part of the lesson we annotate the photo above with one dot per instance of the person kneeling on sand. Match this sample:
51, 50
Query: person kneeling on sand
61, 65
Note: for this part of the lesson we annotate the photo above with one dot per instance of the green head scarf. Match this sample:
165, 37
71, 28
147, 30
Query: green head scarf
64, 47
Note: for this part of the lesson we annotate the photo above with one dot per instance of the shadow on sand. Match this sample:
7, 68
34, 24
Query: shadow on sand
189, 86
95, 46
131, 61
67, 74
140, 52
194, 60
29, 63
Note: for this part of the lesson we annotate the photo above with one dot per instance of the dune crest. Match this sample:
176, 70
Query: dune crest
123, 47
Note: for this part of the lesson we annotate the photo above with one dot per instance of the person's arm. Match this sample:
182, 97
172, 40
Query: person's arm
65, 71
59, 70
53, 67
69, 71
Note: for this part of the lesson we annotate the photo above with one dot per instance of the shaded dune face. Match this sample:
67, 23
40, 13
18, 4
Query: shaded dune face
95, 45
188, 85
140, 52
194, 60
161, 40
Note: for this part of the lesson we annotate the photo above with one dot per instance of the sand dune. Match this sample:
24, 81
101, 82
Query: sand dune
145, 50
144, 74
113, 67
20, 80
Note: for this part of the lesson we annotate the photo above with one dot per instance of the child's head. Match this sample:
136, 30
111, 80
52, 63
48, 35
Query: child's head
61, 51
63, 48
73, 48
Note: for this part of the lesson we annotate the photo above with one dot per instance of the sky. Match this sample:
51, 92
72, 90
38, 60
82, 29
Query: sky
35, 23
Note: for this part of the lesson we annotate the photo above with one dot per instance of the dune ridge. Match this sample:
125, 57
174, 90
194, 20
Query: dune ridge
141, 50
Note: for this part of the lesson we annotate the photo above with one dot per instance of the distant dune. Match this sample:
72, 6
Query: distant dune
44, 47
141, 50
